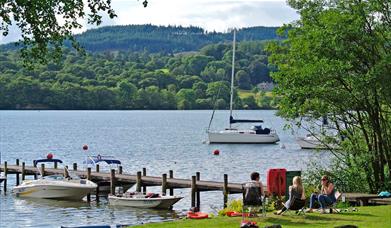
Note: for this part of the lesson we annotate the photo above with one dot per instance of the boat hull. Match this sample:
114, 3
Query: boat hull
65, 191
311, 143
242, 138
164, 202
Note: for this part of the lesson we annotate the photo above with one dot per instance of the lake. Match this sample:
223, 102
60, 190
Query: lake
158, 140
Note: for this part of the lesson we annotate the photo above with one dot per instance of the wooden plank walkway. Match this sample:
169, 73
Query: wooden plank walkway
201, 185
363, 199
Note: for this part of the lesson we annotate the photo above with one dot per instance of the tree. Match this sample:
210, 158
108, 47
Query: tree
334, 63
45, 25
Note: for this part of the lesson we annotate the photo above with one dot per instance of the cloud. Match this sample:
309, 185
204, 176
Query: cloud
212, 15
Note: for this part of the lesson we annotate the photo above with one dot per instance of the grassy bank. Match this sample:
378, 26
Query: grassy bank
376, 216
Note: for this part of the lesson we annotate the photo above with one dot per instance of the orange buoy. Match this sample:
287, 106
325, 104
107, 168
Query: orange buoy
197, 215
216, 152
49, 156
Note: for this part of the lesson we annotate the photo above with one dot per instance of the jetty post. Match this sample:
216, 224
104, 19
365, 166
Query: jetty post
144, 174
89, 178
35, 166
112, 182
5, 175
198, 202
17, 174
164, 184
225, 190
23, 171
171, 175
97, 188
193, 190
42, 169
138, 182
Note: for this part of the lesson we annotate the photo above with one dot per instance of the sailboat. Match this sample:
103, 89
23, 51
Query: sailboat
256, 134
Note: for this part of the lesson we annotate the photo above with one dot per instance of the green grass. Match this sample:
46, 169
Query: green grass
367, 217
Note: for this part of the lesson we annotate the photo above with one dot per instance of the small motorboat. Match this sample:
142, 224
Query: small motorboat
312, 142
55, 186
140, 200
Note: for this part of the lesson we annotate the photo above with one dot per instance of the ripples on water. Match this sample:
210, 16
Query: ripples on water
157, 140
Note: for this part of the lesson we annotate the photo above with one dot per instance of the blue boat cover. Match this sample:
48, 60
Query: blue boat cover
232, 120
46, 160
108, 159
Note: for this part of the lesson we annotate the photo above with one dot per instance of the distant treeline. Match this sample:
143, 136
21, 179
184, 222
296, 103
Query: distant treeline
162, 39
135, 80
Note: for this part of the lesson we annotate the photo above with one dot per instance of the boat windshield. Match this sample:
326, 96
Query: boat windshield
54, 177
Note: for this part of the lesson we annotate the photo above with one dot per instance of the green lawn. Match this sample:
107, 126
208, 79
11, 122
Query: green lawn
367, 217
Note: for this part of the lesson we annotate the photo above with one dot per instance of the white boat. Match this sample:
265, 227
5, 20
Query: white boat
54, 186
143, 201
312, 142
2, 178
256, 134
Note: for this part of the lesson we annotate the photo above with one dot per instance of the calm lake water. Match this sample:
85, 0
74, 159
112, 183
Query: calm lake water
157, 140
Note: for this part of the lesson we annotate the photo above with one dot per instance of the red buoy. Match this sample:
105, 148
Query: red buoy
85, 147
49, 156
216, 152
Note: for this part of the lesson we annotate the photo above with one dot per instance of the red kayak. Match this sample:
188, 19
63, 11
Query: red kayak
197, 215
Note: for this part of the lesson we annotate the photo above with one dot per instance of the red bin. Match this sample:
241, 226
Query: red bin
276, 181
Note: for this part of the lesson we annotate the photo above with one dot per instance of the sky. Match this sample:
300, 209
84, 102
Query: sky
212, 15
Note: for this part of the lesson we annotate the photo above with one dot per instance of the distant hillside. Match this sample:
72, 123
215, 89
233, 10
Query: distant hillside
165, 39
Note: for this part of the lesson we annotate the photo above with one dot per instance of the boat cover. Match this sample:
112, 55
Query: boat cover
232, 120
46, 160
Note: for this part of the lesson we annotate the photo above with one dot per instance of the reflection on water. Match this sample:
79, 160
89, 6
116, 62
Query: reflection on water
157, 140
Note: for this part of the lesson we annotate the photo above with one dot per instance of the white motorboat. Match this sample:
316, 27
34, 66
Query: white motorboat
256, 134
312, 142
143, 200
54, 186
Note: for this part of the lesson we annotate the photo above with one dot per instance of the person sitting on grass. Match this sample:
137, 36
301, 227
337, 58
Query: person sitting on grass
296, 193
326, 196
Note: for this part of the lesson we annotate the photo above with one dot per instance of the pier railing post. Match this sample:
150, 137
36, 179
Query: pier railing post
198, 204
193, 190
144, 174
75, 166
138, 182
17, 174
23, 171
120, 169
164, 184
112, 182
171, 175
5, 175
88, 178
35, 166
225, 190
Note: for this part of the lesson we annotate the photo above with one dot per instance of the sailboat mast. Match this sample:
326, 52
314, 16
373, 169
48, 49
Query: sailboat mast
232, 77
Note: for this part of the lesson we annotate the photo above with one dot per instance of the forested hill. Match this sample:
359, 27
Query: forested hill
162, 39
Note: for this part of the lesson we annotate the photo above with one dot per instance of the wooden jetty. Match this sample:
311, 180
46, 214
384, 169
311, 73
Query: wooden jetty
118, 178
